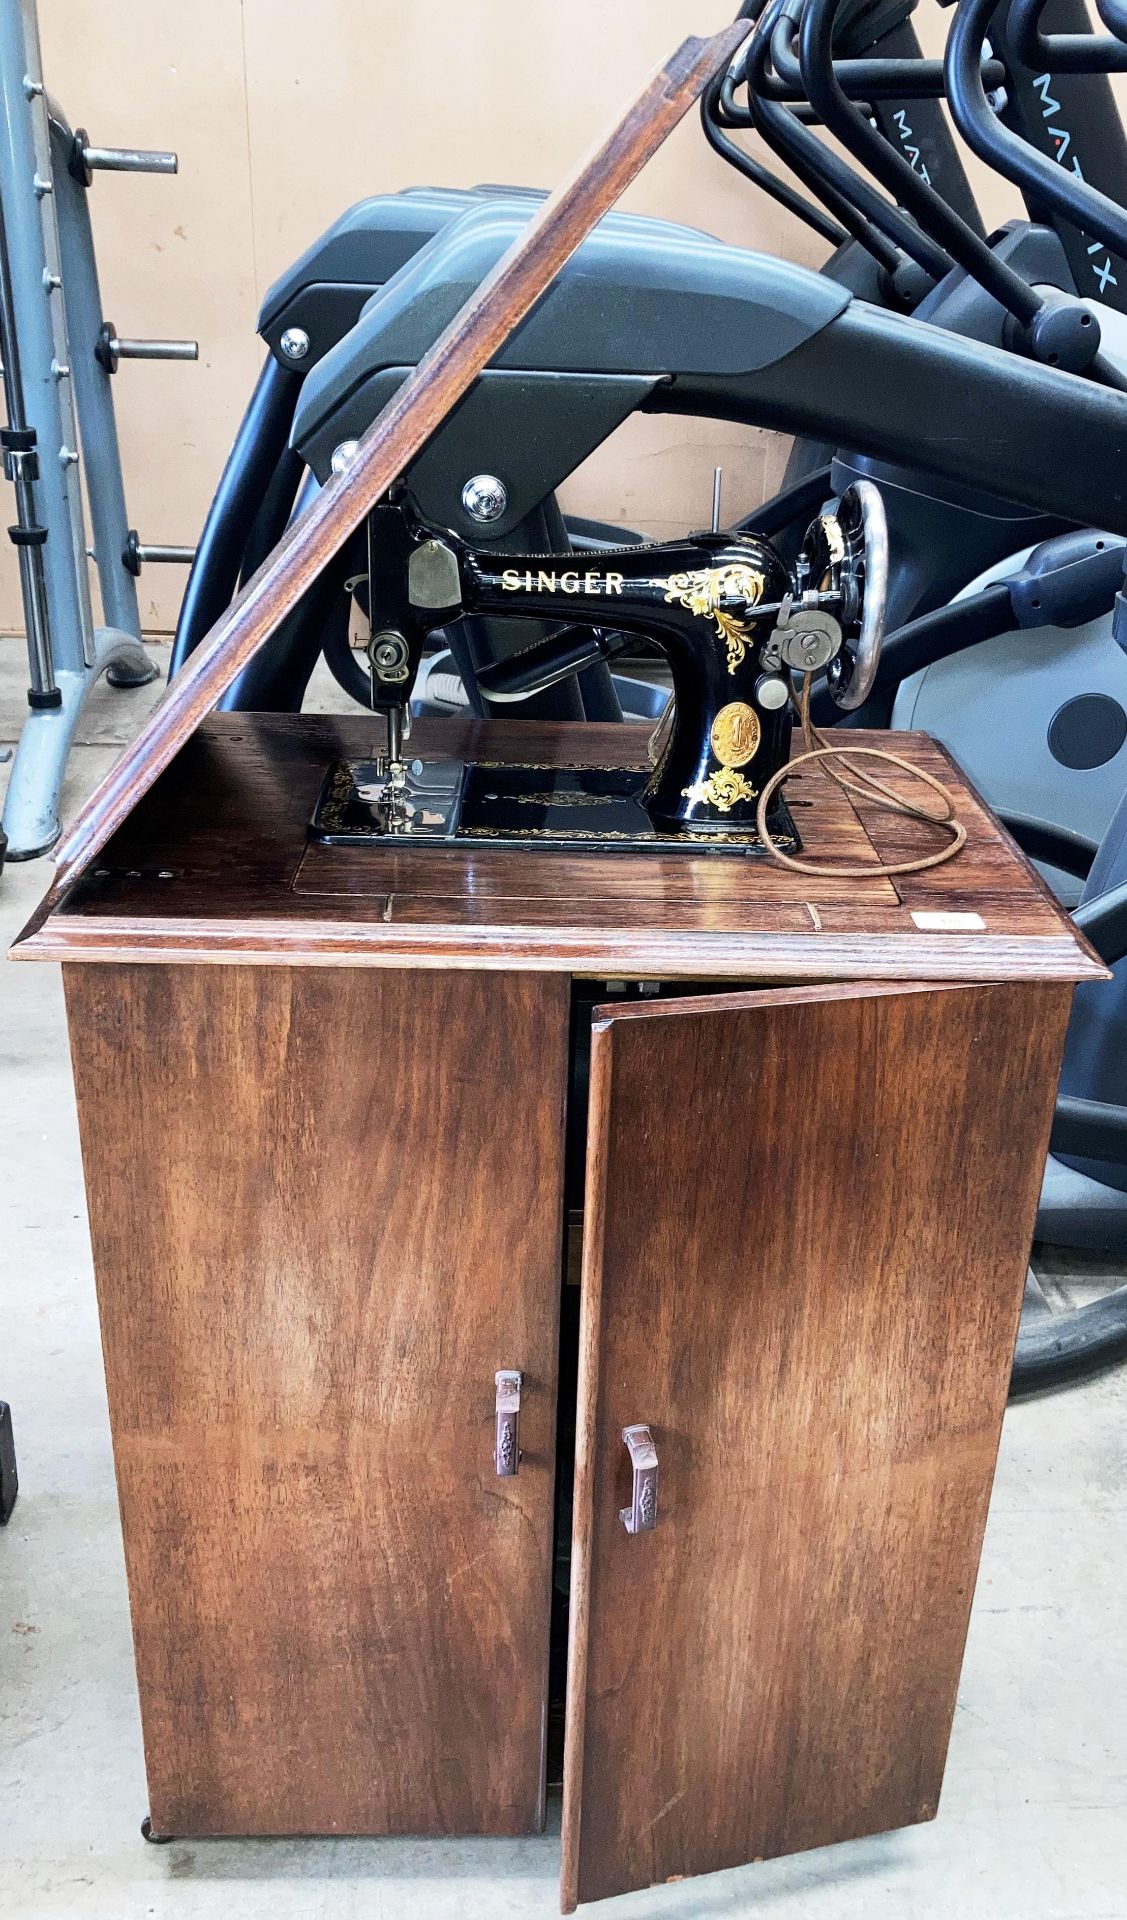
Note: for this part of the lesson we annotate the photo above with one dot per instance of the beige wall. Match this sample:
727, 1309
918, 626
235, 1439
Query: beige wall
284, 111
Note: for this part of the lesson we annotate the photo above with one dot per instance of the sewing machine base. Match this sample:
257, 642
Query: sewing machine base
550, 807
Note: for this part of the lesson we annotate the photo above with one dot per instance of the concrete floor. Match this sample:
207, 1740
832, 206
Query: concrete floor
1033, 1820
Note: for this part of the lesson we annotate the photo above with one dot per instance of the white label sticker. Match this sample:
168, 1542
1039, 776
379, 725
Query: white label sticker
950, 922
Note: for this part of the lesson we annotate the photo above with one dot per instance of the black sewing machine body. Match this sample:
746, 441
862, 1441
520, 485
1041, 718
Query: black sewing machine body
733, 622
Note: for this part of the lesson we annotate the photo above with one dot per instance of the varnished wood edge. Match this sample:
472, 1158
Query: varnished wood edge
586, 1427
560, 992
646, 954
710, 51
619, 1013
50, 904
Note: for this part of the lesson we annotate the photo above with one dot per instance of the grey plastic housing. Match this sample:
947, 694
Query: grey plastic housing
960, 304
640, 297
727, 334
530, 429
325, 289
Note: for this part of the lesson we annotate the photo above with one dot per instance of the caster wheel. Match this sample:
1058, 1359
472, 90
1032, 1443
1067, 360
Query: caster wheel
154, 1839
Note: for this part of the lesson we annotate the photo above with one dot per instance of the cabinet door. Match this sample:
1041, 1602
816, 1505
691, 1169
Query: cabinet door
808, 1215
326, 1210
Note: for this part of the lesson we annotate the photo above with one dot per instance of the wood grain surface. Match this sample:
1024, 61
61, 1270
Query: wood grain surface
558, 226
326, 1208
215, 865
807, 1222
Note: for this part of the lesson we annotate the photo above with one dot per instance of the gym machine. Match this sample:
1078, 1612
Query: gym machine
1073, 711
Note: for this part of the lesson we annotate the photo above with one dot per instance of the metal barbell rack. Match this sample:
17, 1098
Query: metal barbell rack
111, 349
155, 554
84, 161
60, 420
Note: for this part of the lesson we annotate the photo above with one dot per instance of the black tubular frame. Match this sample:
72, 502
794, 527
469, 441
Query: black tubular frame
275, 680
719, 111
260, 445
1053, 1349
1054, 846
807, 159
874, 222
758, 175
1061, 52
880, 77
1073, 119
1103, 921
1062, 587
923, 641
273, 514
859, 137
1113, 13
919, 129
895, 77
1040, 178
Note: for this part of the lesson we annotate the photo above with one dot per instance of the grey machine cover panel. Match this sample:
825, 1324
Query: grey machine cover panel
640, 297
367, 244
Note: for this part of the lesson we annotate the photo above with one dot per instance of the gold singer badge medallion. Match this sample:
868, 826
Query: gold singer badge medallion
735, 734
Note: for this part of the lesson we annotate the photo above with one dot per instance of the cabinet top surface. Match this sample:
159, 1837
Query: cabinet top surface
215, 864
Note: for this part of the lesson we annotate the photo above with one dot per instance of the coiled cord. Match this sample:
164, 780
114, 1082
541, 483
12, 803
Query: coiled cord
865, 786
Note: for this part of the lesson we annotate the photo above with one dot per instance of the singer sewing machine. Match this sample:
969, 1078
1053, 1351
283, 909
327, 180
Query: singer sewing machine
734, 624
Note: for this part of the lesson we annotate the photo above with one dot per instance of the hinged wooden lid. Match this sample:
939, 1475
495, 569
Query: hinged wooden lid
475, 334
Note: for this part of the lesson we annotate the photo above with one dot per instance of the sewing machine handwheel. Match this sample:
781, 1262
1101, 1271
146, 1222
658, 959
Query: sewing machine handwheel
863, 570
845, 557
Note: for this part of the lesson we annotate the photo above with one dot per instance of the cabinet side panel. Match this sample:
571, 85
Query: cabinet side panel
810, 1219
326, 1209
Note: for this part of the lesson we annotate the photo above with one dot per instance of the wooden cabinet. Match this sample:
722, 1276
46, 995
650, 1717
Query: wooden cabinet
324, 1099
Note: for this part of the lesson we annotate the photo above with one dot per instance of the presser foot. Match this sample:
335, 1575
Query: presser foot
386, 793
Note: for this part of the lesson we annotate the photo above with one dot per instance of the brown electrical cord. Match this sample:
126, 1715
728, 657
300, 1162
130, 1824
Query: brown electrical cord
868, 788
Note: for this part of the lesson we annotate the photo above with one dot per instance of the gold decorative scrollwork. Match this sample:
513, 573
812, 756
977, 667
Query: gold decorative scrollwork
723, 790
704, 591
336, 794
563, 799
835, 539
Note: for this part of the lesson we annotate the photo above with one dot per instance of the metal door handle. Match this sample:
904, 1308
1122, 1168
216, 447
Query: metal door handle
641, 1515
506, 1450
